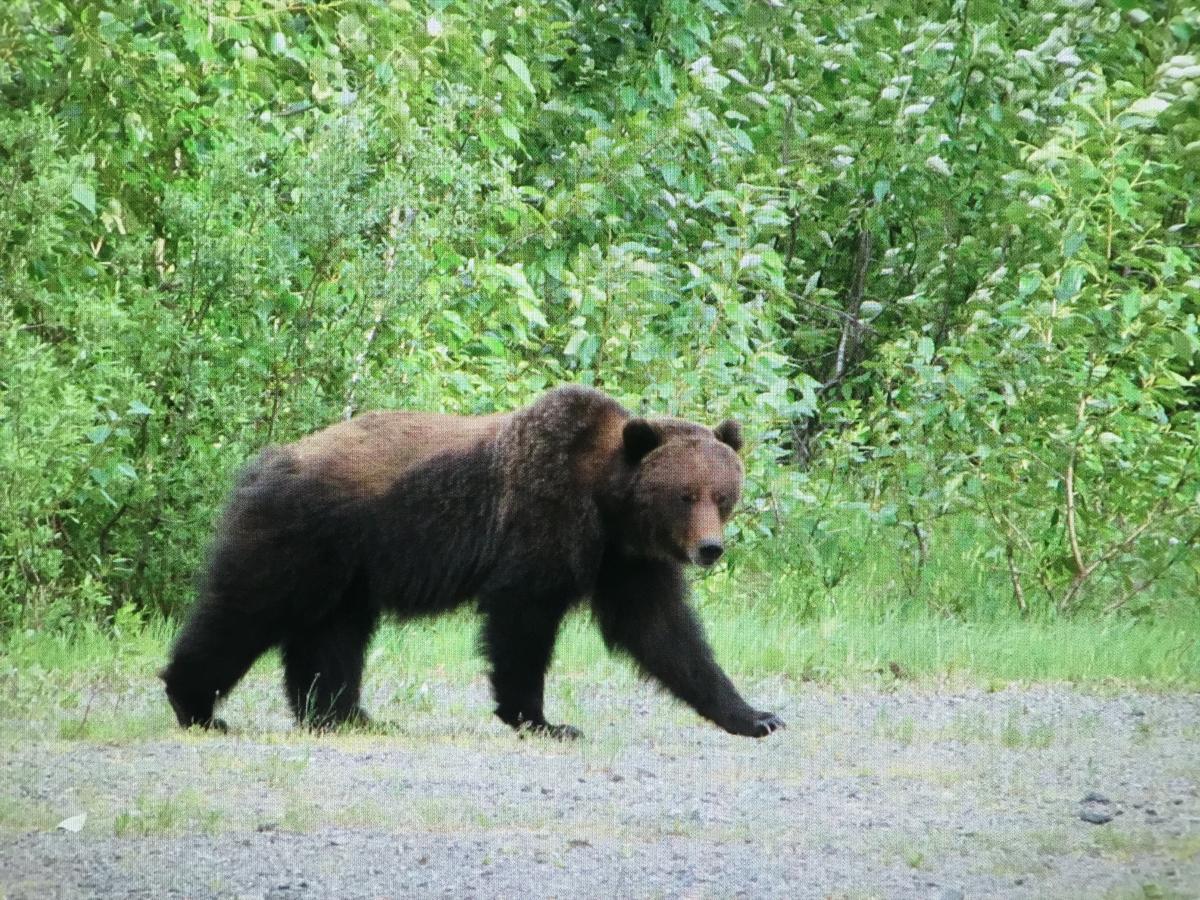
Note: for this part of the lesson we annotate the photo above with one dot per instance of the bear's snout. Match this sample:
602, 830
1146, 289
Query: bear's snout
707, 553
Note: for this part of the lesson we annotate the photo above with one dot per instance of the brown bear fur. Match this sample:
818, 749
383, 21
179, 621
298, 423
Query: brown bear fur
525, 513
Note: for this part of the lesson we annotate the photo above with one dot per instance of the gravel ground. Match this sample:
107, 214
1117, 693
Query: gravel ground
909, 792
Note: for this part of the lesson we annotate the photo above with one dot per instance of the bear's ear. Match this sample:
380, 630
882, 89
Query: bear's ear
729, 432
640, 437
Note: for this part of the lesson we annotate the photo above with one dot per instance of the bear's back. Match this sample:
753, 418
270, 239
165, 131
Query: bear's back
366, 455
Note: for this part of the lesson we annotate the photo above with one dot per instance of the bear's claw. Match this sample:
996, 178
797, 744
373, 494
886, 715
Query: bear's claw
766, 723
558, 732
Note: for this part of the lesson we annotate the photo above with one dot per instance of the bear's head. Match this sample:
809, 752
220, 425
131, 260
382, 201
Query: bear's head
684, 483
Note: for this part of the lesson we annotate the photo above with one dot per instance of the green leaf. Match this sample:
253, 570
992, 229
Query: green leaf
1122, 198
518, 67
666, 75
1069, 284
1149, 107
925, 350
1073, 242
509, 130
532, 314
1131, 305
493, 344
554, 264
99, 434
1028, 283
138, 408
963, 378
85, 195
574, 343
881, 189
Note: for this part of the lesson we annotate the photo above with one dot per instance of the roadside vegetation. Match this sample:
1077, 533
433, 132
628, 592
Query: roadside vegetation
941, 261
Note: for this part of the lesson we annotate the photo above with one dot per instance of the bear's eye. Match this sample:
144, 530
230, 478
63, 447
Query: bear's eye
688, 497
722, 500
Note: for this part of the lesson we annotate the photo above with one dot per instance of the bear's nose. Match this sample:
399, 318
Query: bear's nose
709, 552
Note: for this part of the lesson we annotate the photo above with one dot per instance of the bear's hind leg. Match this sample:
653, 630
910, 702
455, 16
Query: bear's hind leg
323, 668
215, 648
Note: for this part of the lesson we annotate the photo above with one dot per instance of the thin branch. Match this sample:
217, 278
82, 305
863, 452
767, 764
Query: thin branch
1011, 530
389, 265
915, 528
1018, 591
841, 314
852, 329
1126, 542
1080, 567
1184, 546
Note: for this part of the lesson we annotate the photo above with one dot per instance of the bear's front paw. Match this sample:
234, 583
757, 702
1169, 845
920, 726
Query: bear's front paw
756, 724
767, 722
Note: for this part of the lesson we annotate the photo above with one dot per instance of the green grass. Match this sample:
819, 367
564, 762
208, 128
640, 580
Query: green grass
188, 811
829, 606
750, 641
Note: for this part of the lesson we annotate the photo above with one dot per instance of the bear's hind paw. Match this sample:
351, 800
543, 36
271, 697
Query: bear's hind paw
558, 732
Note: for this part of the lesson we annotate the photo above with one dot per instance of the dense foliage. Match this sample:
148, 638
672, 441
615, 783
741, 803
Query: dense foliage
942, 260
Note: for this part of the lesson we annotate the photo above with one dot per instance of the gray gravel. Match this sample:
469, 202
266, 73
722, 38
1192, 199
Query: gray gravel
916, 792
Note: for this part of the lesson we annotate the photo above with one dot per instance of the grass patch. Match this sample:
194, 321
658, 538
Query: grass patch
899, 731
81, 682
19, 814
276, 770
1155, 653
185, 812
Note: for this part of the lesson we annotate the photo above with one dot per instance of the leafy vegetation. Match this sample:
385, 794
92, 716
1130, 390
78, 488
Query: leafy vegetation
942, 261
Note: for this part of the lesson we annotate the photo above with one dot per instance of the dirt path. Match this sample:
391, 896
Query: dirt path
906, 793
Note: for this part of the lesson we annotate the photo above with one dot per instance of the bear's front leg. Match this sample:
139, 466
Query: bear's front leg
642, 609
518, 638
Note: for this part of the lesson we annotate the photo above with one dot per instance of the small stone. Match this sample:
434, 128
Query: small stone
1096, 816
1093, 797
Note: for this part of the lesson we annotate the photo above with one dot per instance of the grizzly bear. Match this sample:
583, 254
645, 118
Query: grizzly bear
526, 513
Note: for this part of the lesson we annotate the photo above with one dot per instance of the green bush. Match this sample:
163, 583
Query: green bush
943, 262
